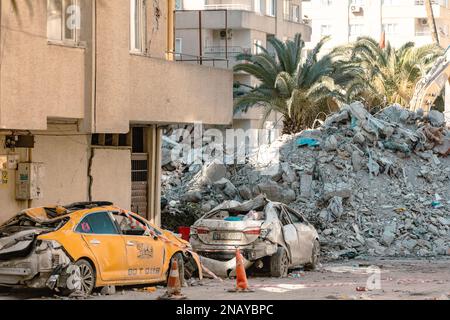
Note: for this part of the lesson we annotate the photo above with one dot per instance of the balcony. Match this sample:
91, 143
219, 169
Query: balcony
231, 6
436, 2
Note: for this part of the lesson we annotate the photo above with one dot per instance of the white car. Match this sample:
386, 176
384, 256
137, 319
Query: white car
270, 235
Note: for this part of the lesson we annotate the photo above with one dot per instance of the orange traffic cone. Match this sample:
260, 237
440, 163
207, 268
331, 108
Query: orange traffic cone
173, 284
241, 276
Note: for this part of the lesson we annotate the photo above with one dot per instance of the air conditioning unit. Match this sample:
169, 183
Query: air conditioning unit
424, 22
226, 34
356, 9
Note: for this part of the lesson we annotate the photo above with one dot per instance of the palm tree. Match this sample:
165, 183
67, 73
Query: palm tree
391, 74
300, 89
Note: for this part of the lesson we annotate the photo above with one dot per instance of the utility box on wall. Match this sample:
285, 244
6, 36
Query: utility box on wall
29, 181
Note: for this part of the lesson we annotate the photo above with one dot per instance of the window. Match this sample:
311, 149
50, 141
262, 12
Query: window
257, 46
64, 20
111, 140
178, 48
296, 13
390, 28
271, 7
257, 6
325, 30
327, 2
138, 26
356, 29
391, 2
127, 226
178, 4
132, 227
97, 223
287, 9
294, 216
357, 2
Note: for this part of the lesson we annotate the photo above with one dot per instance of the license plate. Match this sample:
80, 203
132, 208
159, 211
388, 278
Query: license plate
227, 236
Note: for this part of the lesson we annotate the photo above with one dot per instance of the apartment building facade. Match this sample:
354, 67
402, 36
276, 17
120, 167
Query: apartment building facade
214, 32
86, 87
400, 20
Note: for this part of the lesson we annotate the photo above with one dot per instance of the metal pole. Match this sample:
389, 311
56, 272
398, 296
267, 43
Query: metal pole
226, 35
200, 36
174, 40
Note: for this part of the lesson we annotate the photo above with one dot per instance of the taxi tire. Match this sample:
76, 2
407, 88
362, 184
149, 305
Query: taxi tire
85, 267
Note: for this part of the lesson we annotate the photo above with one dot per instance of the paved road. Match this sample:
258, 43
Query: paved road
389, 279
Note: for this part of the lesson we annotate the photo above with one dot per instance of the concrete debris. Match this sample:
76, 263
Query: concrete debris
335, 208
372, 185
275, 192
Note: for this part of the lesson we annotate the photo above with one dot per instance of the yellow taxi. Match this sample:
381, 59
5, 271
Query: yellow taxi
79, 247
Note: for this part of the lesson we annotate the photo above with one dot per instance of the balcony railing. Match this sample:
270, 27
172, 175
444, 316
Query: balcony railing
420, 33
222, 51
207, 60
439, 2
231, 6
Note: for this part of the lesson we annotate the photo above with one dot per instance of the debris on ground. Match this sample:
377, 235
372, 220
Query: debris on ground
372, 185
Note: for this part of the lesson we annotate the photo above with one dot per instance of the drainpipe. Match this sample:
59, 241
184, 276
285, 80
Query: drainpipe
93, 112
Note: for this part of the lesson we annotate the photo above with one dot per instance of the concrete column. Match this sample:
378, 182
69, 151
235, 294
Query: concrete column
154, 135
447, 103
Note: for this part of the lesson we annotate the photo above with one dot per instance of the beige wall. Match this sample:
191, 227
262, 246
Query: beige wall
65, 154
146, 89
111, 171
37, 79
41, 81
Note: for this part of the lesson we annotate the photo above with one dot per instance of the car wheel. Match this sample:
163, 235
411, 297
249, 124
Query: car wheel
279, 263
180, 261
87, 277
314, 257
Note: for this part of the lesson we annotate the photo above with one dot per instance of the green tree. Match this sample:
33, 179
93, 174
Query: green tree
391, 74
301, 89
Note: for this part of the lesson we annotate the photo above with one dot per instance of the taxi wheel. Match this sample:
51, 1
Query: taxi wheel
87, 276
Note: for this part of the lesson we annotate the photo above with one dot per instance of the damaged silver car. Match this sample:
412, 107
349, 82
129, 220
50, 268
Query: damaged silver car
270, 235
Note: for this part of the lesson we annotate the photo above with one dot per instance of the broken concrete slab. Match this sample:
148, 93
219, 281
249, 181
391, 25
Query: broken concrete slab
340, 189
275, 192
305, 185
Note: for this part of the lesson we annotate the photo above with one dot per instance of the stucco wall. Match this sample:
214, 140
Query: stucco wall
111, 171
38, 80
146, 89
65, 155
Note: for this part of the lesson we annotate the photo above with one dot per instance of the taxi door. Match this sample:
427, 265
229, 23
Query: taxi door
106, 244
145, 253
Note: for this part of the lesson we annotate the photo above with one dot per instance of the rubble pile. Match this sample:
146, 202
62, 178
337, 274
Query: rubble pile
376, 185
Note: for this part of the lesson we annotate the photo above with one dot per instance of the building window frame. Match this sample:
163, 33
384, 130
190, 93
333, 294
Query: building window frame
138, 26
64, 22
296, 13
325, 30
257, 6
257, 44
178, 48
178, 4
271, 8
